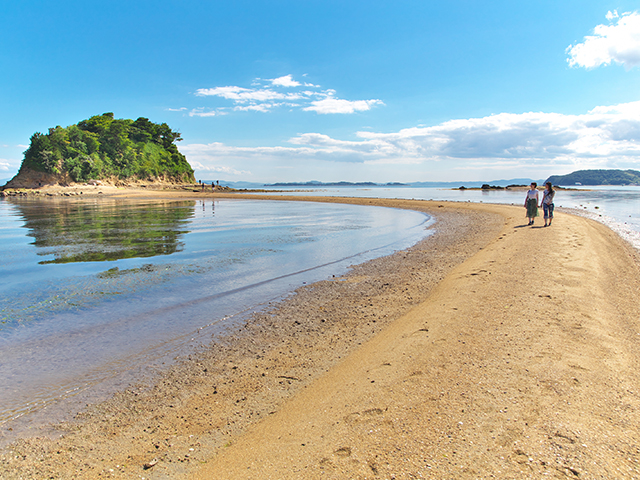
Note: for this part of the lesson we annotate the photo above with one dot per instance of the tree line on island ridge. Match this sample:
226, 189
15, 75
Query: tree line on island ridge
103, 147
597, 177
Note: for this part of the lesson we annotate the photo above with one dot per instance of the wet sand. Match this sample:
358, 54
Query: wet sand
488, 350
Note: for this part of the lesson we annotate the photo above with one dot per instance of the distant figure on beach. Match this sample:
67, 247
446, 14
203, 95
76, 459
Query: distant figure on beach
547, 203
531, 202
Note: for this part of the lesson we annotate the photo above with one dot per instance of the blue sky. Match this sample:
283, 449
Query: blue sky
377, 91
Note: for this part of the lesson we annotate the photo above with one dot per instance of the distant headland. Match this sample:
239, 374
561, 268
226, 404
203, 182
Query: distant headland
103, 149
597, 177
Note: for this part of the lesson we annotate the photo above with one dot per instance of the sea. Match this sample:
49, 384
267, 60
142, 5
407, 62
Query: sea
99, 293
616, 206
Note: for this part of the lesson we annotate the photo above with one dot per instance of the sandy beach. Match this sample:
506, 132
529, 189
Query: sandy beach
488, 350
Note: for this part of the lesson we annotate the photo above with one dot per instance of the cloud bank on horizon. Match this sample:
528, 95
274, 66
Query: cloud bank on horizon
604, 137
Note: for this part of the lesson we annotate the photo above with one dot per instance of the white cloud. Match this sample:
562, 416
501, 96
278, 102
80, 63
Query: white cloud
201, 112
338, 105
615, 43
605, 137
181, 109
286, 81
4, 165
534, 136
218, 169
261, 107
243, 95
263, 98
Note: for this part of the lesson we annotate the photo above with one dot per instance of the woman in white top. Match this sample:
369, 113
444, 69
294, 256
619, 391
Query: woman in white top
531, 202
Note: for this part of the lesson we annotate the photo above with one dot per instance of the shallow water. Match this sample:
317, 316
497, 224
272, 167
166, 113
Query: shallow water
616, 206
95, 293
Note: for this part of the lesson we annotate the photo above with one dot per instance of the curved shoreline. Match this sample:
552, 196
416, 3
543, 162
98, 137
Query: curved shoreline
342, 330
521, 363
42, 392
467, 335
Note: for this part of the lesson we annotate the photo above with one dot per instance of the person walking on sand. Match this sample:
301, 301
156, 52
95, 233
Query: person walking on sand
531, 202
547, 203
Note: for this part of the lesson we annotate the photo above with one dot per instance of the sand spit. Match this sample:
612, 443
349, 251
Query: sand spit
489, 350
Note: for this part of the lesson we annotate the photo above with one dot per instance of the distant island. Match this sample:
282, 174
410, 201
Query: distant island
597, 177
103, 148
314, 183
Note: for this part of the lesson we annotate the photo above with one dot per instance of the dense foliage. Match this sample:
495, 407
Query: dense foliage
597, 177
103, 147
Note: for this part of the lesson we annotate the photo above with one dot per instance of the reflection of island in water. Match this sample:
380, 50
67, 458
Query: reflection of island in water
104, 231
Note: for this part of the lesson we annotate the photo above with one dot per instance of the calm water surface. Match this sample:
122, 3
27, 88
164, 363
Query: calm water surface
616, 206
92, 293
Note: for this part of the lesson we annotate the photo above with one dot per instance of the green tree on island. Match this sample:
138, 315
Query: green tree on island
103, 147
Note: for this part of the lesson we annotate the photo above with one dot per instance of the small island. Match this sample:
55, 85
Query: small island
105, 150
597, 177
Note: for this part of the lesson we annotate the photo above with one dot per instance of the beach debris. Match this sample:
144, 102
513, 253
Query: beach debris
150, 464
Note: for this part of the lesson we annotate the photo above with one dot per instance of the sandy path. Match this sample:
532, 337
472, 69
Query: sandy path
522, 363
